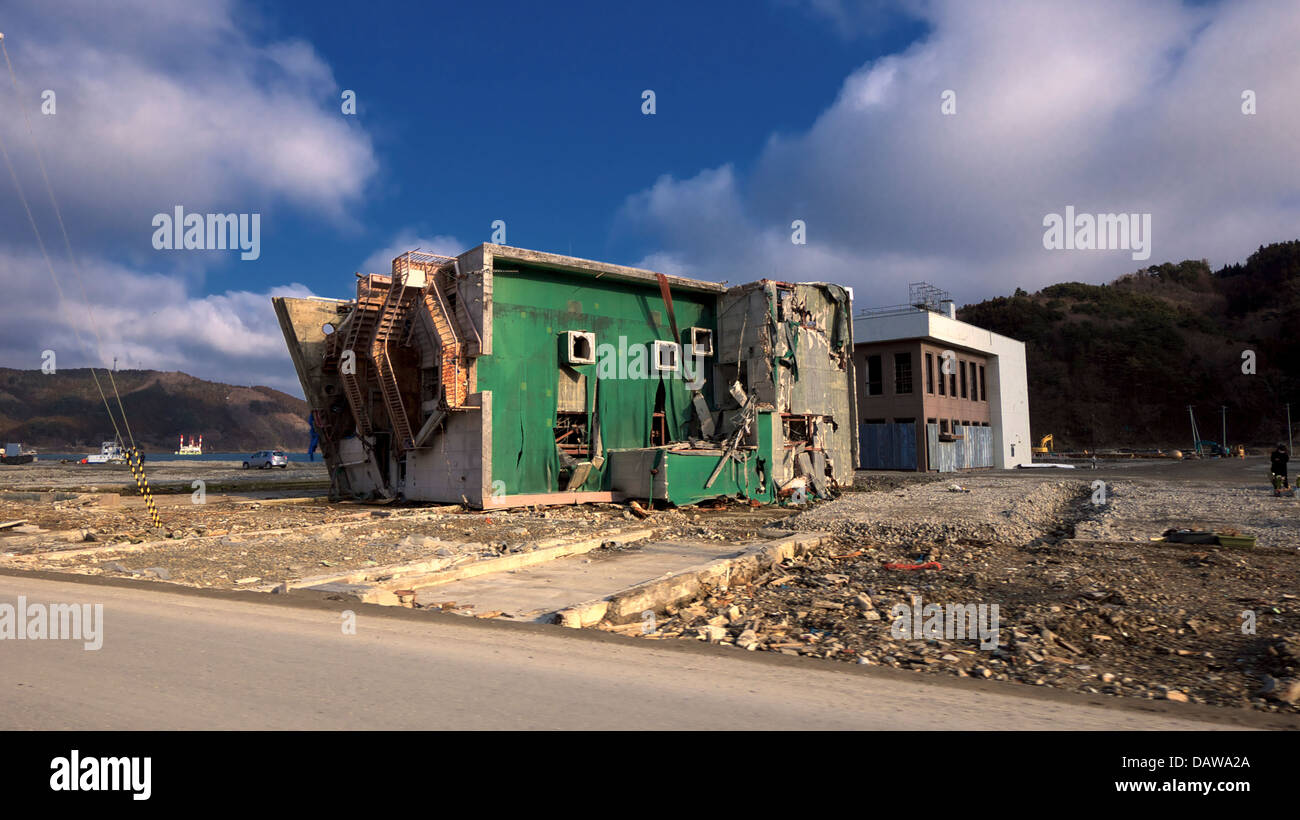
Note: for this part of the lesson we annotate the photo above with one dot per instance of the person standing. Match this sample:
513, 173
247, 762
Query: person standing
1277, 466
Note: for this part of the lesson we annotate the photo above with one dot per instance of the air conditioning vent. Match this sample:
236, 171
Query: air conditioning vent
700, 340
578, 347
667, 357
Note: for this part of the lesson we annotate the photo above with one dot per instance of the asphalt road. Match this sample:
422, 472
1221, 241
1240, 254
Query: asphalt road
173, 661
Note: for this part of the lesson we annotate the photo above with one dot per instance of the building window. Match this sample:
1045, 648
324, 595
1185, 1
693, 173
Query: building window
875, 380
902, 373
943, 426
931, 421
962, 367
974, 383
984, 395
943, 382
929, 373
952, 384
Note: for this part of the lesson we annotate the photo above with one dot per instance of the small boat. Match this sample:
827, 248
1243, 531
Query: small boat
16, 454
110, 452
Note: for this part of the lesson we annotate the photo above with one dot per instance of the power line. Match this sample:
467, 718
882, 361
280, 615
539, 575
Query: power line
67, 243
133, 454
41, 242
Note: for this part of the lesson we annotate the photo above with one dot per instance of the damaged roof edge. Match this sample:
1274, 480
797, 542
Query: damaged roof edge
573, 264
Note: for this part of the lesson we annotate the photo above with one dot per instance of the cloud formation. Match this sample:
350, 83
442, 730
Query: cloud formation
381, 261
160, 104
149, 321
1109, 106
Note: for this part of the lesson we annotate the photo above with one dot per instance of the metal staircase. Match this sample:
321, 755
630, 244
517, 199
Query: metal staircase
360, 331
392, 315
453, 374
439, 312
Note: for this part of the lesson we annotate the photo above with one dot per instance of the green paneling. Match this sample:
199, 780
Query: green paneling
688, 473
531, 308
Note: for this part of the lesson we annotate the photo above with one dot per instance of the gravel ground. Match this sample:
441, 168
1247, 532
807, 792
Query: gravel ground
1008, 509
231, 546
1141, 510
226, 541
129, 520
872, 481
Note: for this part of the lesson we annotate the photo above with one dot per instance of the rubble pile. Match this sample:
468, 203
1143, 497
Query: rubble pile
1164, 623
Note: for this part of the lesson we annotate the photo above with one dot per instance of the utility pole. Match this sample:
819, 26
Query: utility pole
1196, 434
1223, 410
1289, 448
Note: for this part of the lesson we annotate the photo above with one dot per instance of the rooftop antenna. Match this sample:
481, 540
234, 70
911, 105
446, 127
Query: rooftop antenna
924, 296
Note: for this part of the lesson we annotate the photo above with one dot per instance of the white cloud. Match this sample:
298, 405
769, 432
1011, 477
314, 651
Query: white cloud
162, 104
852, 18
1108, 106
381, 261
149, 321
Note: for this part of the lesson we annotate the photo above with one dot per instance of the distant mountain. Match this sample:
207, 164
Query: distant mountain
63, 411
1116, 365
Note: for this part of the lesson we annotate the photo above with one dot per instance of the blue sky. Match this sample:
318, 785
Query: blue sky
531, 113
767, 111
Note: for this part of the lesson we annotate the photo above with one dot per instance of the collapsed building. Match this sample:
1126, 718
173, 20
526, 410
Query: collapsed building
506, 377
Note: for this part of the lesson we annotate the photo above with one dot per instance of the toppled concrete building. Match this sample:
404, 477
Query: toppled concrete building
505, 377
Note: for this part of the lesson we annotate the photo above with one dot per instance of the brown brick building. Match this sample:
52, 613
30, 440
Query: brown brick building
906, 382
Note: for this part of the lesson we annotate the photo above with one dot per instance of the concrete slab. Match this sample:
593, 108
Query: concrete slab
532, 592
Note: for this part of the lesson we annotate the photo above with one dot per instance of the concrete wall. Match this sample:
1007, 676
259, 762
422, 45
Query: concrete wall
1007, 376
823, 386
456, 466
743, 336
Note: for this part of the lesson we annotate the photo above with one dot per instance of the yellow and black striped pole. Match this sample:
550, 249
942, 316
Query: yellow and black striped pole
142, 484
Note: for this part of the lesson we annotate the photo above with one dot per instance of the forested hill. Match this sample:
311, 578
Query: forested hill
63, 412
1117, 364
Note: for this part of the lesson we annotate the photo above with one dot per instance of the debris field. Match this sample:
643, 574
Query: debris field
1085, 600
1132, 619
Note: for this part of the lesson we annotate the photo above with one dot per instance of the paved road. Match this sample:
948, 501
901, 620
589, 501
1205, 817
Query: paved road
196, 662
